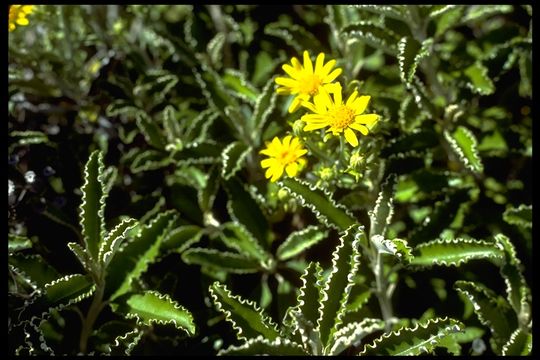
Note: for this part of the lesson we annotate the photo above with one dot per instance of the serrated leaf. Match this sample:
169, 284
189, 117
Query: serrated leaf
17, 243
182, 238
320, 202
440, 218
215, 92
171, 125
477, 12
244, 209
91, 210
82, 256
35, 267
294, 35
492, 311
149, 160
519, 344
264, 105
261, 346
309, 294
246, 318
114, 239
353, 333
479, 81
421, 339
151, 131
455, 252
124, 344
300, 240
221, 260
133, 257
381, 215
397, 12
205, 152
68, 288
335, 293
237, 237
396, 247
233, 157
520, 216
151, 307
214, 49
104, 338
374, 34
449, 18
516, 287
410, 116
237, 81
464, 144
109, 177
157, 84
410, 52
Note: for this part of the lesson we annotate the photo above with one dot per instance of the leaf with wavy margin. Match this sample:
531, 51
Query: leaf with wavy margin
464, 144
420, 339
381, 215
237, 237
246, 317
233, 158
300, 240
222, 260
520, 216
352, 334
519, 344
261, 346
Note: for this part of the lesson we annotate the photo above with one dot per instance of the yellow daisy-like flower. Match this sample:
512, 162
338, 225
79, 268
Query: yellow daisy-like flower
338, 116
17, 15
305, 81
283, 156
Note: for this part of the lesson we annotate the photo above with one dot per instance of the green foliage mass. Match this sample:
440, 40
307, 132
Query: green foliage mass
140, 220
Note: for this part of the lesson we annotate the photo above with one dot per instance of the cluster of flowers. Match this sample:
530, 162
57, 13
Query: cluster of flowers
316, 90
18, 14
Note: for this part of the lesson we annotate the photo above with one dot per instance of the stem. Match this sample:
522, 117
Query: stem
382, 294
93, 312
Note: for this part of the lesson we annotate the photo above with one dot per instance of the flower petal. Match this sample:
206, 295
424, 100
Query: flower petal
268, 163
314, 126
277, 172
366, 119
328, 67
359, 105
351, 98
286, 82
292, 169
333, 75
296, 64
308, 65
295, 104
287, 141
292, 72
319, 63
351, 138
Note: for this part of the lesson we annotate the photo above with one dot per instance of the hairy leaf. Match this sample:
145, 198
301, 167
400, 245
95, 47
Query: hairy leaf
421, 339
246, 318
320, 202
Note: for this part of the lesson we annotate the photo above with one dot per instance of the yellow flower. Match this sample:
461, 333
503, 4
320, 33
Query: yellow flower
286, 155
17, 15
338, 116
305, 81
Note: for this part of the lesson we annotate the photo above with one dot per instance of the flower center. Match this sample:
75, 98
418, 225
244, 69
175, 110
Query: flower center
286, 157
343, 116
309, 84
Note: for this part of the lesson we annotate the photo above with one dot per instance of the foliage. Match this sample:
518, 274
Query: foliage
200, 180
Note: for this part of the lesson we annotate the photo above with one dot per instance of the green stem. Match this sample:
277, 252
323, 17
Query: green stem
91, 317
385, 302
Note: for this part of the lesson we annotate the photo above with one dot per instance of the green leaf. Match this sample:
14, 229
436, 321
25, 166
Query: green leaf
479, 81
233, 157
241, 87
477, 12
417, 139
124, 344
244, 210
410, 52
214, 91
17, 243
294, 35
492, 311
237, 237
519, 344
335, 293
207, 194
396, 247
246, 318
261, 346
109, 177
410, 116
114, 239
264, 105
398, 12
148, 160
520, 216
91, 210
151, 131
69, 289
440, 218
214, 48
171, 125
517, 290
320, 202
421, 339
381, 215
35, 267
30, 137
455, 252
82, 256
300, 240
135, 255
205, 152
374, 34
353, 333
221, 260
182, 238
464, 144
151, 307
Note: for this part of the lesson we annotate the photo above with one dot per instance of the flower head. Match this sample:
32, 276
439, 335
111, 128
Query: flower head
338, 116
283, 156
305, 81
17, 15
